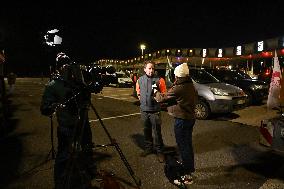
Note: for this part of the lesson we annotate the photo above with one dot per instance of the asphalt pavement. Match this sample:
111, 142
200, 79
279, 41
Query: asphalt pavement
227, 152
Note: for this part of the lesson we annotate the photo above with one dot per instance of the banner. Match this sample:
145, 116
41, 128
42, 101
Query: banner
273, 100
168, 75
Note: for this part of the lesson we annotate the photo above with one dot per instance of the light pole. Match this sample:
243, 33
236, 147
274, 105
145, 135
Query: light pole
142, 47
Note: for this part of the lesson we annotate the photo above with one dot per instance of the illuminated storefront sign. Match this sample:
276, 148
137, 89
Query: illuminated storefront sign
220, 53
204, 52
260, 46
239, 50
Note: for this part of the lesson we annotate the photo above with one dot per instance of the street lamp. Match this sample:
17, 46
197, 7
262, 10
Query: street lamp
142, 47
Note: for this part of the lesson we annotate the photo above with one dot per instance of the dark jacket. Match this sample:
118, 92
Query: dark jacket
185, 95
144, 89
58, 91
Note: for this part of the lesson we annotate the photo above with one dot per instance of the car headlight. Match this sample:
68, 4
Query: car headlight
219, 92
256, 87
121, 81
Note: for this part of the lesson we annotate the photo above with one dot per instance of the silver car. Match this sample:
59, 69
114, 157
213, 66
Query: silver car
215, 96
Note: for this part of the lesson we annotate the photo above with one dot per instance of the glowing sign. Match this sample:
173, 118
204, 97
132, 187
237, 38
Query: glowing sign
220, 53
239, 50
204, 52
260, 46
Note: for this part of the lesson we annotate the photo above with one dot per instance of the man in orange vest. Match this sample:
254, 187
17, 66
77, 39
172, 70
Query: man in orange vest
150, 110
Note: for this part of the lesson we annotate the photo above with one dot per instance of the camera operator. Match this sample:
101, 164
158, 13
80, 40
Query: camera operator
68, 97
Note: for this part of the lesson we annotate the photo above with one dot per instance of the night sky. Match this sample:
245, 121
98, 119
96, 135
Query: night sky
105, 29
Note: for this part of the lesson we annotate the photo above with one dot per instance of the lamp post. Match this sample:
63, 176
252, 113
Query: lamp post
142, 47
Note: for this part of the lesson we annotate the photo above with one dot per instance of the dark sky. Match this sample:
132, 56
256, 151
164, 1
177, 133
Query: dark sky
105, 29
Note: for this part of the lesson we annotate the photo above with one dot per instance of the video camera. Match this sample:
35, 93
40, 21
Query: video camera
91, 77
95, 76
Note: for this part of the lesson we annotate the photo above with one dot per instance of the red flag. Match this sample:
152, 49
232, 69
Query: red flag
273, 100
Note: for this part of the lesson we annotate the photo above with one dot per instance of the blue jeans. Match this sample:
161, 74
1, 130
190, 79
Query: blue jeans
183, 133
152, 122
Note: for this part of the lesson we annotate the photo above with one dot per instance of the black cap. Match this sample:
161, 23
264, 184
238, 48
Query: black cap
62, 59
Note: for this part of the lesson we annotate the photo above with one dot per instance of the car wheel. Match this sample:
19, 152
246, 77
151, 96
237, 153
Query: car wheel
201, 110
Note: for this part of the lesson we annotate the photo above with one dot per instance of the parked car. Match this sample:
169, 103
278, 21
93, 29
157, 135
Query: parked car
265, 76
215, 96
123, 80
256, 89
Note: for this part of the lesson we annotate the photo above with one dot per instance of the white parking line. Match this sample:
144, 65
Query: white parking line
114, 95
117, 98
114, 117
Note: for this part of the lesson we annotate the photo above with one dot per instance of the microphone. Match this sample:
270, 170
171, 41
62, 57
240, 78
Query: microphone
155, 87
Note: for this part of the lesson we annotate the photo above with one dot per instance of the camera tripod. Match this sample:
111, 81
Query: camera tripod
51, 151
76, 150
75, 171
115, 144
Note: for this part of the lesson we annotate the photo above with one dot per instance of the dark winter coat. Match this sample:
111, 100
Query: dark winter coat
185, 95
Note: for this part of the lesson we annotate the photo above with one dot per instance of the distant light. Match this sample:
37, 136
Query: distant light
266, 54
142, 47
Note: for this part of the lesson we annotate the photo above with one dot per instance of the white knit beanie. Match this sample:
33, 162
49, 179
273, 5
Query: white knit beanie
181, 70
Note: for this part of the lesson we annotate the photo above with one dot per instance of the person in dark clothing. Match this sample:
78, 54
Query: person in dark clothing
11, 78
185, 95
72, 117
134, 78
150, 110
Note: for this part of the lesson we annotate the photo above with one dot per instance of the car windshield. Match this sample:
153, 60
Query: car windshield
202, 77
241, 75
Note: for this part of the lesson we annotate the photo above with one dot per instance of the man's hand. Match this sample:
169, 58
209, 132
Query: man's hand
155, 91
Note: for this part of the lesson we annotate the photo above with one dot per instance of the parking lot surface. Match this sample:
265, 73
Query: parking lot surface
227, 152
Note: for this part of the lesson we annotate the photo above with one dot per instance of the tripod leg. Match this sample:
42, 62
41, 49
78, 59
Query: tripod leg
122, 157
51, 138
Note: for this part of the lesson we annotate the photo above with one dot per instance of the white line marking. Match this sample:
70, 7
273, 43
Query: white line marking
106, 118
114, 97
